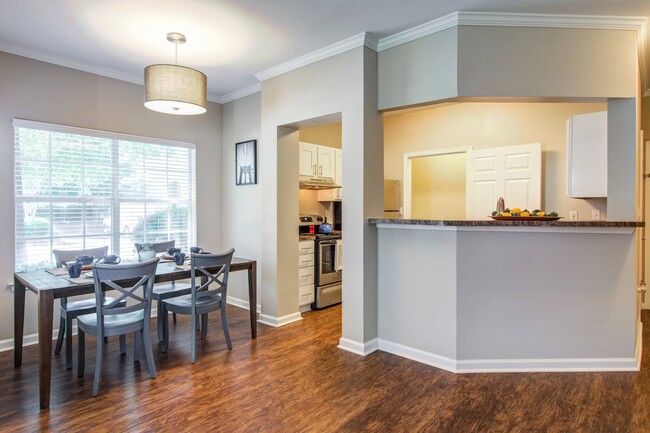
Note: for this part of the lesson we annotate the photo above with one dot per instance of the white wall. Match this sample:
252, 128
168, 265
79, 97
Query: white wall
44, 92
242, 213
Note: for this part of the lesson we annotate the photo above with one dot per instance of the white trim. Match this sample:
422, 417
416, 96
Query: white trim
418, 355
362, 349
53, 127
241, 93
21, 50
500, 19
408, 167
240, 303
418, 32
362, 39
276, 322
638, 350
511, 365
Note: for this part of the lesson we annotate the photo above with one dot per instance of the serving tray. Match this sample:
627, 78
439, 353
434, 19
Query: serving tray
528, 218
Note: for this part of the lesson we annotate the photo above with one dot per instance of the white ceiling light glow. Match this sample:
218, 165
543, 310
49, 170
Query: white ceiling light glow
175, 89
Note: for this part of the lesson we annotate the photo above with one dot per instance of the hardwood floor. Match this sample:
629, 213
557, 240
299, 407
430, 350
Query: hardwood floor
294, 379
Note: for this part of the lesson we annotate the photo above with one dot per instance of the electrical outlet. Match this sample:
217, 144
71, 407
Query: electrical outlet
595, 214
573, 215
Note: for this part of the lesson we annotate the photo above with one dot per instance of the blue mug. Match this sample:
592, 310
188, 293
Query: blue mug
74, 269
179, 258
172, 251
112, 259
196, 250
85, 260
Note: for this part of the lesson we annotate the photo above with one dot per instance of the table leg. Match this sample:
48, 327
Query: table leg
252, 297
45, 317
19, 321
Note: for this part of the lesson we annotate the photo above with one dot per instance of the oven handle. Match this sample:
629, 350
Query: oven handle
327, 242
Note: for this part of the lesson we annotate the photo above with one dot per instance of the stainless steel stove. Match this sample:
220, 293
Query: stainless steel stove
328, 275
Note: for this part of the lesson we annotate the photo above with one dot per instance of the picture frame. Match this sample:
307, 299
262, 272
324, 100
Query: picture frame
246, 162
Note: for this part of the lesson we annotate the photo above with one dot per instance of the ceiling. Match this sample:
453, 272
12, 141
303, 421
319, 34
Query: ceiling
232, 40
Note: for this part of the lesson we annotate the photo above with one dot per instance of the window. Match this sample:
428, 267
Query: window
78, 188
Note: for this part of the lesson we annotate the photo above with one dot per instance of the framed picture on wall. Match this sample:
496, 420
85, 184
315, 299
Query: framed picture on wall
246, 163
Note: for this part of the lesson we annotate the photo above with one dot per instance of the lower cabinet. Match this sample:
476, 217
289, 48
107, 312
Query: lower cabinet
305, 273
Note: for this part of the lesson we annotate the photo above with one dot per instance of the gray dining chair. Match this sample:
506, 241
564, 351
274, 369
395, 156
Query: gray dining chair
162, 291
208, 293
69, 310
112, 319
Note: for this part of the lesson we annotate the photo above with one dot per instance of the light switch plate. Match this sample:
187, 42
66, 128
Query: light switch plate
573, 215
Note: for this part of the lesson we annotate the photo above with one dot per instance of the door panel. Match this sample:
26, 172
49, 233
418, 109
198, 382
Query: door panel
308, 158
516, 175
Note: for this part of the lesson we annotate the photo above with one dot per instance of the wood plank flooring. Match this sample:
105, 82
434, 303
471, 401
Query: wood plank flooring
294, 379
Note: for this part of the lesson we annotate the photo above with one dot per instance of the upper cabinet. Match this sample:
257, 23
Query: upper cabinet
317, 161
587, 155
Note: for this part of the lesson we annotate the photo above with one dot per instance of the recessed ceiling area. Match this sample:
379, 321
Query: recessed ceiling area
232, 40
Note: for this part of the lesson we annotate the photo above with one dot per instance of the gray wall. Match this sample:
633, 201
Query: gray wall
621, 159
242, 214
44, 92
341, 84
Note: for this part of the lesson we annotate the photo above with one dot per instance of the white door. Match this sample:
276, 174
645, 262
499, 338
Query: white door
511, 172
308, 159
326, 162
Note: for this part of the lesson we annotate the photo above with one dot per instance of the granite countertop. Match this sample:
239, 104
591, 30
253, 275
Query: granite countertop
493, 223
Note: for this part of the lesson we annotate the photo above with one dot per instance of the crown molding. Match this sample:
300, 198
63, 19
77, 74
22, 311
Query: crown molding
417, 32
241, 93
362, 39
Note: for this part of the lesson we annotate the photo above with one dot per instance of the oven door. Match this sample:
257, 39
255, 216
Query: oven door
327, 263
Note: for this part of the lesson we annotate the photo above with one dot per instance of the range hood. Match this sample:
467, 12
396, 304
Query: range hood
307, 182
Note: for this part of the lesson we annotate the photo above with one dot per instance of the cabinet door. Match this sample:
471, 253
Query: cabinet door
587, 155
338, 176
326, 162
308, 160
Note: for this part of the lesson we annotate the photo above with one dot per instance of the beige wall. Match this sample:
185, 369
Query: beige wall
484, 125
44, 92
438, 187
325, 135
242, 214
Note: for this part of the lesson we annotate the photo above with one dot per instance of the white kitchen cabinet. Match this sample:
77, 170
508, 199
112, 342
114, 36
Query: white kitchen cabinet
317, 161
306, 271
587, 155
334, 194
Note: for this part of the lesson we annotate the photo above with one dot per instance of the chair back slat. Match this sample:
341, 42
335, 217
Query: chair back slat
159, 247
201, 265
63, 256
128, 280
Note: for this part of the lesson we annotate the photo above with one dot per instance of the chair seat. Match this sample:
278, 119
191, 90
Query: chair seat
82, 304
183, 304
162, 289
89, 321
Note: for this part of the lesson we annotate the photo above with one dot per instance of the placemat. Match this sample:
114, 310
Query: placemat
57, 271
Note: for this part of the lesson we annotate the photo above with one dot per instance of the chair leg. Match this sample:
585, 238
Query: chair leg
59, 338
165, 338
68, 341
148, 352
81, 353
98, 368
174, 314
193, 339
204, 326
122, 344
159, 319
137, 340
224, 324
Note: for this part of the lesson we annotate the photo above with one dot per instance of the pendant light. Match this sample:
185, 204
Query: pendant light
175, 89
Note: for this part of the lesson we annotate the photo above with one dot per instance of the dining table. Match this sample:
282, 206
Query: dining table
49, 285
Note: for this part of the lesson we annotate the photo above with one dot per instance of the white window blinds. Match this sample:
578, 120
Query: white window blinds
77, 188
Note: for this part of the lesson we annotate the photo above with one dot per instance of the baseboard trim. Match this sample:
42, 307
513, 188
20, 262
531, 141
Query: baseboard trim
513, 365
418, 355
362, 349
241, 303
276, 322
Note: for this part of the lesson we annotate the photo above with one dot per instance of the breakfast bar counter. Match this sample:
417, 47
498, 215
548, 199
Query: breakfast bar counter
480, 296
